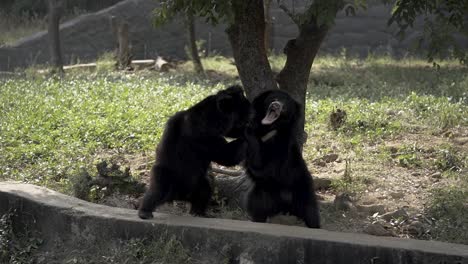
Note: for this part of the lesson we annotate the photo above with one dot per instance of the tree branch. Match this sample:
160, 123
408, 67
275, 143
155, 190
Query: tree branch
291, 15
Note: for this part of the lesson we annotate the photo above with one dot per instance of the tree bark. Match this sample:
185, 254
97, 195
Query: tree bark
124, 47
55, 10
300, 54
191, 38
268, 26
234, 190
247, 37
114, 25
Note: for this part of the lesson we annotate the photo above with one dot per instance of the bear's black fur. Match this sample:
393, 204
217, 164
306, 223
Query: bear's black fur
282, 182
191, 140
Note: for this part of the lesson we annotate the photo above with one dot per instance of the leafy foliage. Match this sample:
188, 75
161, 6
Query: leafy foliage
215, 11
442, 19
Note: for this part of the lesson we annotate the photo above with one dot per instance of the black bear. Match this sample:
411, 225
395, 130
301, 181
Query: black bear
191, 140
282, 182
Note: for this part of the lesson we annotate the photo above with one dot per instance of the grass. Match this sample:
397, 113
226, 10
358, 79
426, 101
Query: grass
449, 205
50, 128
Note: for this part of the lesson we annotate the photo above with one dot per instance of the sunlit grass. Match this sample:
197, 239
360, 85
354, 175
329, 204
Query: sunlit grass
50, 127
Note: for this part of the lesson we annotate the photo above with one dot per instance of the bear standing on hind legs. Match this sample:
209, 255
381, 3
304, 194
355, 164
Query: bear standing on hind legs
191, 140
282, 182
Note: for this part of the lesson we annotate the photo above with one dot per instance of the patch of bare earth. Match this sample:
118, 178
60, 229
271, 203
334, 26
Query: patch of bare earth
383, 197
388, 198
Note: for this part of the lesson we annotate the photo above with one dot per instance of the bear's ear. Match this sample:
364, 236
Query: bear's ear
236, 89
225, 103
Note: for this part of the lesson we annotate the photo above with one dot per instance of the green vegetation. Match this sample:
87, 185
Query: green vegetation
402, 118
449, 205
51, 127
17, 246
138, 250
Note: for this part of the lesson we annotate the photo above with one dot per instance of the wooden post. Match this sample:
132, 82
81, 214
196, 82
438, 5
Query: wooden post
55, 10
191, 38
124, 47
115, 30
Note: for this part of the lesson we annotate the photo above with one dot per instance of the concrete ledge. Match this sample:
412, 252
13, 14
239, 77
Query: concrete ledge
58, 216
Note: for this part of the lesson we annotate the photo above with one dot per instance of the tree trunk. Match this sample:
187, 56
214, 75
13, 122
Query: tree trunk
125, 57
268, 26
247, 37
234, 190
55, 10
114, 25
191, 38
300, 55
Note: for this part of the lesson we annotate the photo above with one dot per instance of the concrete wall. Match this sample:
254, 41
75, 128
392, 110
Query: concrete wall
69, 221
88, 36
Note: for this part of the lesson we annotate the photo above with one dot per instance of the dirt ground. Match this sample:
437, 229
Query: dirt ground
383, 198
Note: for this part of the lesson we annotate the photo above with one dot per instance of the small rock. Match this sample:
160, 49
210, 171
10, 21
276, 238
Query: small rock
368, 202
400, 213
322, 183
337, 118
245, 258
330, 157
436, 175
371, 209
448, 134
397, 195
377, 229
343, 202
393, 149
416, 228
415, 174
320, 197
320, 163
461, 141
